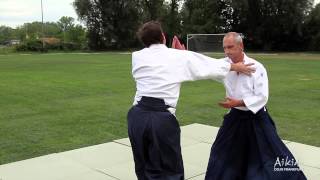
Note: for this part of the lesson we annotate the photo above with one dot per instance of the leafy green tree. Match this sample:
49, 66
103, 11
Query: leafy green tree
65, 24
167, 12
312, 29
271, 24
51, 29
77, 34
110, 24
30, 31
6, 33
172, 19
33, 31
205, 16
152, 9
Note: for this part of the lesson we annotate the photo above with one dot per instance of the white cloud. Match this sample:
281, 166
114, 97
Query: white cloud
17, 12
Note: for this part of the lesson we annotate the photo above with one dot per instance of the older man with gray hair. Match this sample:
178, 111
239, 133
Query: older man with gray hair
247, 146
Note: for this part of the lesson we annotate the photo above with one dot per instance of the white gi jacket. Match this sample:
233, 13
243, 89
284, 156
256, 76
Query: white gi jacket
253, 90
159, 71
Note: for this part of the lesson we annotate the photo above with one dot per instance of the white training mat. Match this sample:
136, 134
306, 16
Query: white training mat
114, 160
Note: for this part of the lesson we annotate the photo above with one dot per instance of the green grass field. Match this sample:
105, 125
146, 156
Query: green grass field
57, 102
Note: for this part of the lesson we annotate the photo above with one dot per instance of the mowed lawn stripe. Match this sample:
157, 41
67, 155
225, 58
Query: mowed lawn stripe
53, 103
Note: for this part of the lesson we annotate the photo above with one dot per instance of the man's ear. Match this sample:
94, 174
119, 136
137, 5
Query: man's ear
241, 46
164, 39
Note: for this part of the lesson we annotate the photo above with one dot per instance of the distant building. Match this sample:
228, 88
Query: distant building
50, 40
12, 42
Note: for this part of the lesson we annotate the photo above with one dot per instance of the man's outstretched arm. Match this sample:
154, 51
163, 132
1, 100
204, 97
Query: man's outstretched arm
238, 67
246, 69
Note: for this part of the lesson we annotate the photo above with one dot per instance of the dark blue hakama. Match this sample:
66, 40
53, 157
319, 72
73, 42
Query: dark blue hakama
154, 134
247, 147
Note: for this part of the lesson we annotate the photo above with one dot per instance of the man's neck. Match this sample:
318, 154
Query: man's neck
240, 58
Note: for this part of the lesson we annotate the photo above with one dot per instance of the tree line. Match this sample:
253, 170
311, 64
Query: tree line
275, 25
267, 25
61, 35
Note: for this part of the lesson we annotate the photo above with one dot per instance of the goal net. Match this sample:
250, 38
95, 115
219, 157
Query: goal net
205, 42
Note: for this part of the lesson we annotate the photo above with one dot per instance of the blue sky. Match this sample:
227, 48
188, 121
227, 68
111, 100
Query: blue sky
17, 12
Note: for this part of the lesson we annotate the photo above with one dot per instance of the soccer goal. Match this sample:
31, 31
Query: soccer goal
205, 42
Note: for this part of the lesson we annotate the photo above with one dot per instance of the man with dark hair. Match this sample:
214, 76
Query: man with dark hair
151, 33
153, 129
247, 146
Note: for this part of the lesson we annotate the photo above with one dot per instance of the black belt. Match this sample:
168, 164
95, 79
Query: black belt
152, 104
262, 110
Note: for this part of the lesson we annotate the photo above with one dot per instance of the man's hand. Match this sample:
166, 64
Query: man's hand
246, 69
230, 103
176, 44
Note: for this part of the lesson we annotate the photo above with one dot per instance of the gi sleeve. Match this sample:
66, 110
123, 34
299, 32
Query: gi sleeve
198, 66
261, 91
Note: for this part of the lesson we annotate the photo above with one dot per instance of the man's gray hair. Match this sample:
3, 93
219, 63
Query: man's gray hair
237, 36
